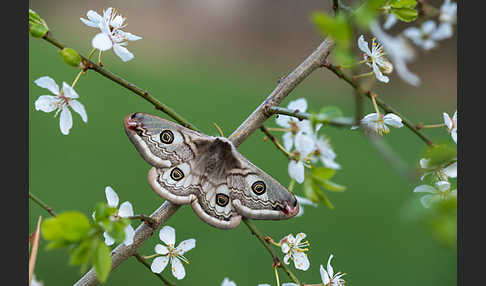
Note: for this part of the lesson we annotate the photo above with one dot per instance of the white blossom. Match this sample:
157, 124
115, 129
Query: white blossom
294, 249
171, 253
379, 62
62, 99
35, 282
295, 125
448, 12
328, 276
442, 172
284, 284
227, 282
441, 191
111, 36
428, 34
451, 123
390, 21
303, 201
323, 151
399, 51
125, 210
304, 146
378, 123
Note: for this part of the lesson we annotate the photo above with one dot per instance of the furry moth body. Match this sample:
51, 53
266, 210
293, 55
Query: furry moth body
207, 172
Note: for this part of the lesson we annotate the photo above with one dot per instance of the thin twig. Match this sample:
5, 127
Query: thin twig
42, 204
146, 264
270, 250
143, 93
339, 122
370, 94
35, 248
275, 141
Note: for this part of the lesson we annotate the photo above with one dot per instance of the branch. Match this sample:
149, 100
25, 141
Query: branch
285, 86
253, 122
336, 70
142, 233
42, 204
339, 122
275, 141
144, 262
143, 93
270, 250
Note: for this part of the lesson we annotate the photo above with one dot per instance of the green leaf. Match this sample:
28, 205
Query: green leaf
71, 57
337, 27
405, 14
441, 154
368, 12
117, 232
322, 173
402, 3
71, 226
331, 186
34, 17
103, 211
102, 261
309, 191
38, 30
323, 197
82, 254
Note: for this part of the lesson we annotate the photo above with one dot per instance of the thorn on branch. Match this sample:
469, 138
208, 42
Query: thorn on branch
419, 126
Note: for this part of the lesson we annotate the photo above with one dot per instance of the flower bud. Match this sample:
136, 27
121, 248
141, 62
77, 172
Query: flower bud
71, 57
38, 30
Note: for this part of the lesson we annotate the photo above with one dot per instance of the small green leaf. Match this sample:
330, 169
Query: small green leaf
71, 226
402, 3
103, 211
367, 12
405, 14
34, 17
330, 112
441, 154
309, 191
102, 261
331, 186
82, 254
71, 57
322, 173
117, 232
337, 27
38, 30
323, 197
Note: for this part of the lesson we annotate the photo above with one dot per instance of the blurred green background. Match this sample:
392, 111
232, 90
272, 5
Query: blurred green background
215, 62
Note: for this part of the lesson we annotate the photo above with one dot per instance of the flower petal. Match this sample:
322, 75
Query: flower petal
227, 282
393, 120
46, 103
161, 249
304, 144
425, 189
443, 186
102, 42
296, 171
123, 53
68, 91
65, 120
305, 201
424, 163
428, 27
454, 135
390, 21
301, 261
186, 245
324, 275
89, 23
363, 45
298, 104
283, 120
125, 209
108, 239
288, 140
159, 263
177, 268
129, 234
285, 247
111, 197
49, 83
451, 170
78, 107
167, 235
299, 237
379, 75
287, 258
288, 284
131, 37
330, 270
94, 17
428, 200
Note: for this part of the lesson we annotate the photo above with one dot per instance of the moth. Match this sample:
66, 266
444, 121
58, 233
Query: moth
207, 172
